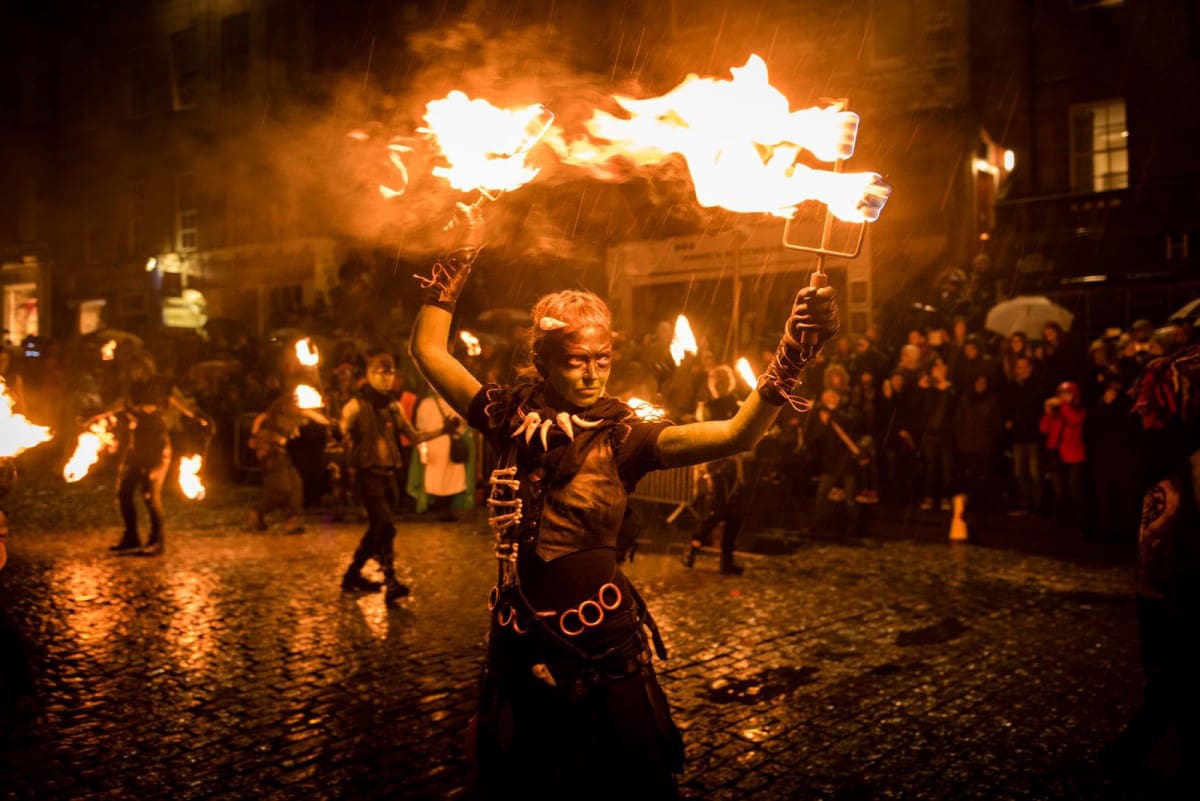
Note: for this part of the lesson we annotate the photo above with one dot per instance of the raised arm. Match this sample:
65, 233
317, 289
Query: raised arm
429, 345
813, 310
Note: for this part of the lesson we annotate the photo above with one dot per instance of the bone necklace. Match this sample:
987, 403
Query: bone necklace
532, 423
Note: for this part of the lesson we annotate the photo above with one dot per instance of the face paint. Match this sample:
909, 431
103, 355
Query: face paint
381, 376
580, 371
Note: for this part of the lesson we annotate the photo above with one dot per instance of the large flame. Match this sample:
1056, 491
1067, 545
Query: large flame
741, 142
17, 434
471, 342
745, 372
88, 447
189, 477
484, 147
306, 352
684, 341
308, 397
108, 351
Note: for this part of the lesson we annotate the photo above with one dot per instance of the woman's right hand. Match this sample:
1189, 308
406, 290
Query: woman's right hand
468, 226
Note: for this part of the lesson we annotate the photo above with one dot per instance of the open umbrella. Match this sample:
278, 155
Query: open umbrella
1027, 314
1188, 311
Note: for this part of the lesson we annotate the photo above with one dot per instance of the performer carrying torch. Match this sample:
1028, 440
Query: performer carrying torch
570, 704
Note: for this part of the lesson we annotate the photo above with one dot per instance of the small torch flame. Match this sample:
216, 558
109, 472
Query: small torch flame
108, 351
306, 353
471, 341
746, 373
645, 410
88, 447
684, 341
189, 477
741, 143
484, 147
17, 434
308, 397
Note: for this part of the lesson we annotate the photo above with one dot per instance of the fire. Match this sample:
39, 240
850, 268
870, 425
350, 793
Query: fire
189, 477
17, 434
108, 351
741, 142
745, 372
308, 397
645, 410
306, 352
684, 341
471, 341
91, 443
484, 147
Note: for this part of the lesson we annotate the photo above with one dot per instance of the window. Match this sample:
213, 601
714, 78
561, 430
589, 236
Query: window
1099, 147
893, 29
21, 311
136, 232
185, 68
282, 56
187, 216
91, 315
235, 55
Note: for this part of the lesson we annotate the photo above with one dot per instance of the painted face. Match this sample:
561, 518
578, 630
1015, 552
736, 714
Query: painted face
380, 375
579, 373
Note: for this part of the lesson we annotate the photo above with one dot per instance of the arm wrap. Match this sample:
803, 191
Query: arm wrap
448, 277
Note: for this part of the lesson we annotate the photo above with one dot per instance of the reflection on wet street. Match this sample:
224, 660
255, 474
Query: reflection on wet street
234, 667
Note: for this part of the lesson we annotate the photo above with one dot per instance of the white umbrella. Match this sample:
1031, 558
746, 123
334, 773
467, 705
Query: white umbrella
1027, 314
1188, 311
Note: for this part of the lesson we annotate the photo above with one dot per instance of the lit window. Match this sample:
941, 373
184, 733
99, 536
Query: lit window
1099, 146
187, 216
235, 55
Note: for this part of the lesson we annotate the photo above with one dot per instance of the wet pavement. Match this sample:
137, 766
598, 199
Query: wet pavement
233, 667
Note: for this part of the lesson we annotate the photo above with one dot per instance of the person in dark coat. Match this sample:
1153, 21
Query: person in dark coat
1022, 414
978, 425
937, 398
1109, 436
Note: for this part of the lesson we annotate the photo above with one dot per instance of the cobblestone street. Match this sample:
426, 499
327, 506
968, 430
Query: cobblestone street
233, 667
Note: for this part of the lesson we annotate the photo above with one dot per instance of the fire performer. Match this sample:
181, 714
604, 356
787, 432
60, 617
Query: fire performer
374, 421
570, 704
282, 486
145, 445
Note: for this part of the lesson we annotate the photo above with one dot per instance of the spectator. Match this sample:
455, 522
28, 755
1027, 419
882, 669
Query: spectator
937, 400
978, 424
1015, 347
837, 379
1062, 426
868, 359
830, 439
972, 363
1058, 357
899, 443
1022, 419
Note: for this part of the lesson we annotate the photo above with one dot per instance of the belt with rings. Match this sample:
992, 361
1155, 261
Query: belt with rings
572, 621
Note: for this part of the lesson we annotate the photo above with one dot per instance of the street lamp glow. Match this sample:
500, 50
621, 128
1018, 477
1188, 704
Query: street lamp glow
1010, 160
151, 264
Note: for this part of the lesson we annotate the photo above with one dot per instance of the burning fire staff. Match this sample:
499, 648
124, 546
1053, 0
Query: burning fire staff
374, 421
570, 705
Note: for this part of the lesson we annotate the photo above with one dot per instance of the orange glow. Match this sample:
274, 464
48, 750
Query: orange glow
189, 477
645, 410
746, 372
471, 341
108, 351
17, 434
308, 397
306, 353
684, 341
741, 142
88, 448
484, 147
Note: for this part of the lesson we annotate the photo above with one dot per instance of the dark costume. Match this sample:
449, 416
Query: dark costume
145, 459
570, 706
722, 495
282, 486
378, 463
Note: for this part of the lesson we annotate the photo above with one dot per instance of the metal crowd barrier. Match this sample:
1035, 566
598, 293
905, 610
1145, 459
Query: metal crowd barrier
675, 486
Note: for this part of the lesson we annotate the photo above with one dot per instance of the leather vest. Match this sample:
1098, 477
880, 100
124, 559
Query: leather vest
584, 513
370, 424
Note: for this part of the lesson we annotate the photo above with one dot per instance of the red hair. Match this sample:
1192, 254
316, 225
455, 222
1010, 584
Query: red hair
574, 309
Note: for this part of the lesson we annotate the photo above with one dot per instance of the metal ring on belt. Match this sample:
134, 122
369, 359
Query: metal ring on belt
572, 622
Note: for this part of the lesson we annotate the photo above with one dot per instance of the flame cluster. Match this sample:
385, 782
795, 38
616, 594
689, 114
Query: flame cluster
17, 434
746, 372
91, 444
743, 145
471, 342
307, 353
